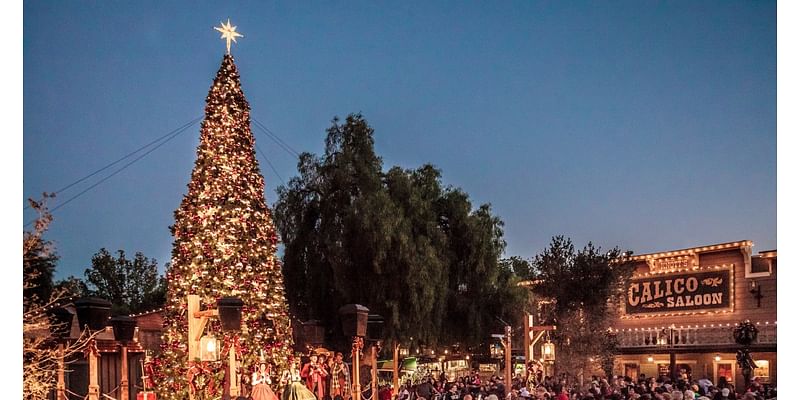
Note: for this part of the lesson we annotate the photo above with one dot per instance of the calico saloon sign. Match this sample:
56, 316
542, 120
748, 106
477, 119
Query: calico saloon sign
687, 292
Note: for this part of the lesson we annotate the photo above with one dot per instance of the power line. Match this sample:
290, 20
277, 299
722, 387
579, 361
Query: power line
184, 126
174, 135
275, 138
270, 164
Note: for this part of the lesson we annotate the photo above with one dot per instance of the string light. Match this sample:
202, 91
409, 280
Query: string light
225, 244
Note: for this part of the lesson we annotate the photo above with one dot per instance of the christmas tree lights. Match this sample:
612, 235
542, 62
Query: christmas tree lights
224, 245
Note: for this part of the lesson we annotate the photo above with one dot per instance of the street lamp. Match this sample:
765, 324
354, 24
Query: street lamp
354, 323
124, 329
206, 348
745, 333
93, 314
667, 339
505, 341
548, 353
209, 348
375, 334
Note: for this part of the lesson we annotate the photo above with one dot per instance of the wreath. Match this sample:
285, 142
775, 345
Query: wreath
745, 333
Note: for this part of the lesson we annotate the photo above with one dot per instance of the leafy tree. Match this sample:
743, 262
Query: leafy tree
398, 242
132, 285
72, 287
585, 287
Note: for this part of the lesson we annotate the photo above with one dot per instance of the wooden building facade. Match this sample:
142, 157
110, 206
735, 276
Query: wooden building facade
687, 302
76, 376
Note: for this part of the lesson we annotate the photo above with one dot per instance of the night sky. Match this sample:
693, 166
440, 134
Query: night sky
645, 125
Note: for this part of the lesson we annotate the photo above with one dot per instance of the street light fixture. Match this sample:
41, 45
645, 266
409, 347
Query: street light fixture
354, 323
206, 348
549, 351
209, 348
124, 329
93, 314
667, 339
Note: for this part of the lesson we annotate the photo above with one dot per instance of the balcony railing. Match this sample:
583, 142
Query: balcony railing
684, 337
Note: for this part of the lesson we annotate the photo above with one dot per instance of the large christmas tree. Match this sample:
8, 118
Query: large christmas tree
225, 244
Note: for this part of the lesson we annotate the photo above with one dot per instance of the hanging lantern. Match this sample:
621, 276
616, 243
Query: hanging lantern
209, 348
549, 351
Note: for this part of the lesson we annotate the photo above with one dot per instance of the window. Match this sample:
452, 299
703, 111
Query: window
632, 371
762, 370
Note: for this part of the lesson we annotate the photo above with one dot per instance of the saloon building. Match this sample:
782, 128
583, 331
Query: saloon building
684, 304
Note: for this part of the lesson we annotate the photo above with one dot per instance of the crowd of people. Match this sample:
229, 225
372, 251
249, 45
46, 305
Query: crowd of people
328, 378
597, 388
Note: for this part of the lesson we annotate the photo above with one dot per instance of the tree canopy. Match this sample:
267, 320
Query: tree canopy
399, 242
132, 285
583, 289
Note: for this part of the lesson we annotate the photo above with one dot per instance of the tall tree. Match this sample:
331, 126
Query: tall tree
585, 287
224, 245
132, 285
398, 242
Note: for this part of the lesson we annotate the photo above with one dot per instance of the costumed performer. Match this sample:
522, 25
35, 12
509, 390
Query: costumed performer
294, 389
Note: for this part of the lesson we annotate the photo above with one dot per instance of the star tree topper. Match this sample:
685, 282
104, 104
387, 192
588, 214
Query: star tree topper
228, 33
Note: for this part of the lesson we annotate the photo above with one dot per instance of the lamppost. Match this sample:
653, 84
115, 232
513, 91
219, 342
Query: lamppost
745, 333
229, 312
93, 314
375, 333
505, 341
354, 323
667, 340
124, 328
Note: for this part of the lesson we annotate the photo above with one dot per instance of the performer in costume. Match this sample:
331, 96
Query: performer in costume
315, 377
261, 382
294, 389
340, 378
325, 363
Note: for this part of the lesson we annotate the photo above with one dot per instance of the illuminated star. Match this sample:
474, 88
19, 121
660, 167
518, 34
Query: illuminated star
228, 33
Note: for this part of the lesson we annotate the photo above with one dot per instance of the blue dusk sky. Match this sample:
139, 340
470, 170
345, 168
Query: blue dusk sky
647, 125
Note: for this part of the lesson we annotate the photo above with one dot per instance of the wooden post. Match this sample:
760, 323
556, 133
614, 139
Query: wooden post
374, 377
358, 344
396, 369
528, 318
507, 383
193, 306
60, 386
94, 387
232, 371
123, 384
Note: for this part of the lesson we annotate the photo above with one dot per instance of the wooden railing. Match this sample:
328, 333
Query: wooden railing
689, 336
